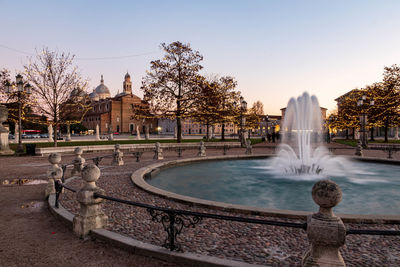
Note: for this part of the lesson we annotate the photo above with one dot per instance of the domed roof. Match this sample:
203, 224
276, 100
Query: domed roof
127, 75
102, 89
94, 96
78, 92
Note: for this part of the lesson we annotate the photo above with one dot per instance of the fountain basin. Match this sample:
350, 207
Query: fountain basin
142, 176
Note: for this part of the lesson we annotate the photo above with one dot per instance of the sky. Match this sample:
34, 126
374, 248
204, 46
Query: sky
275, 49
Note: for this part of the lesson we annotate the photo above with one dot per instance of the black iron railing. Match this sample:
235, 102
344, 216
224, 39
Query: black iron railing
174, 220
64, 168
97, 160
390, 149
371, 232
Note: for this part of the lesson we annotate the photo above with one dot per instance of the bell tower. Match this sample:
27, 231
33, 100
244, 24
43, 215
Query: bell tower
127, 84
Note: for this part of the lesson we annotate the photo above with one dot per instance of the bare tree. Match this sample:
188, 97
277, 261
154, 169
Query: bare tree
258, 107
229, 110
172, 84
4, 78
55, 82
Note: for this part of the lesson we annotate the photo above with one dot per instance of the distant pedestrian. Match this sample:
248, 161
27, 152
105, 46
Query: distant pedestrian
269, 137
273, 137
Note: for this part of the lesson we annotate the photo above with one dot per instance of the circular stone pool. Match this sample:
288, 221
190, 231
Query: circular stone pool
368, 188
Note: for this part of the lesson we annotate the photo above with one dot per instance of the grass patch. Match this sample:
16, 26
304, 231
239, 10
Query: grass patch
347, 142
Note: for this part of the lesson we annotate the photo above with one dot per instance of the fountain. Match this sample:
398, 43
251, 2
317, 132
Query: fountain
283, 181
302, 151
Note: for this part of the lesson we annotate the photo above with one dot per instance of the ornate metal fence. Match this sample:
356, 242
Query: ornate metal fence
174, 220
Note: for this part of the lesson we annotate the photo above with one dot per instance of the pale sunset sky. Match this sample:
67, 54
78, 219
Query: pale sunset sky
274, 49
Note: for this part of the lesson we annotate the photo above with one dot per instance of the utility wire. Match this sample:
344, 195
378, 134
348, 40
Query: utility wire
16, 50
118, 57
85, 58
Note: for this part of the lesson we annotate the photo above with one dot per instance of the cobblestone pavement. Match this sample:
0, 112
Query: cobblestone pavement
269, 245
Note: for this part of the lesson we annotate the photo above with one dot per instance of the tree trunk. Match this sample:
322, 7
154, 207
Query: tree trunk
372, 134
386, 130
207, 131
55, 130
179, 129
347, 134
354, 133
223, 132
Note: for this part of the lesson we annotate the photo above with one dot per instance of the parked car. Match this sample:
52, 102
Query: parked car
11, 136
44, 135
35, 135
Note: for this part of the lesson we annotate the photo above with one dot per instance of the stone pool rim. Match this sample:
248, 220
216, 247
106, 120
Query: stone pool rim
138, 178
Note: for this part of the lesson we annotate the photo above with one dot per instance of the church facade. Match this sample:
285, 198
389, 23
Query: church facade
116, 114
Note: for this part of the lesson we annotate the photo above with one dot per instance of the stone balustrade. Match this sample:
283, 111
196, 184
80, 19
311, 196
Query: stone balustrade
202, 149
78, 162
54, 173
117, 156
90, 215
131, 147
158, 152
325, 231
249, 148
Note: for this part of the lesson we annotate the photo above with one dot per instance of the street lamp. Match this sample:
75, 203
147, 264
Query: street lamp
18, 89
243, 105
364, 118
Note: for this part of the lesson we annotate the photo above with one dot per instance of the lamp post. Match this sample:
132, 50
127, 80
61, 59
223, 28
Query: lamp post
243, 108
18, 89
364, 119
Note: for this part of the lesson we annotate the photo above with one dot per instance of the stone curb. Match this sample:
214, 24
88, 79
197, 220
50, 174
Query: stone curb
42, 151
145, 249
138, 178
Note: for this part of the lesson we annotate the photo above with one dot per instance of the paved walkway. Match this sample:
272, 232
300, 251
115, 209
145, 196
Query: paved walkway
31, 236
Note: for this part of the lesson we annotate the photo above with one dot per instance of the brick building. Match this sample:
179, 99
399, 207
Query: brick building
116, 114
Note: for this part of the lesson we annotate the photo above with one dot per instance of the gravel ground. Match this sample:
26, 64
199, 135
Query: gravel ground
27, 227
261, 244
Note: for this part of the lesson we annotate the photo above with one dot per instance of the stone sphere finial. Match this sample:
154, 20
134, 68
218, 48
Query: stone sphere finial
90, 173
326, 193
78, 151
54, 158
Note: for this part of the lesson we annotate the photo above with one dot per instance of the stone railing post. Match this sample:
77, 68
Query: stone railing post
97, 132
50, 131
359, 149
68, 137
4, 146
111, 135
90, 215
54, 173
147, 132
138, 133
78, 162
117, 156
202, 149
249, 148
325, 231
158, 152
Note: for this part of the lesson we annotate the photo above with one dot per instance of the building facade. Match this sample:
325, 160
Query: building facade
191, 127
117, 114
